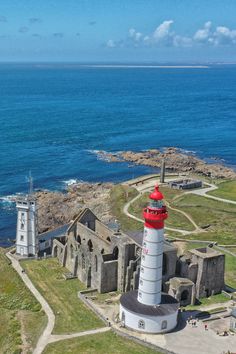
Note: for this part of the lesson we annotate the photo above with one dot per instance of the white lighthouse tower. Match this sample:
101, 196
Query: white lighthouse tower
148, 309
26, 229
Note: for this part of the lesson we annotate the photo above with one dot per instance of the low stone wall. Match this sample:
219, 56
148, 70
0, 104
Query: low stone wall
141, 341
87, 302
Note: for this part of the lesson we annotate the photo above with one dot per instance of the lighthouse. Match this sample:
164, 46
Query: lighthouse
150, 310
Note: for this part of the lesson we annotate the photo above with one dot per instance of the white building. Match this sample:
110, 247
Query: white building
26, 230
148, 309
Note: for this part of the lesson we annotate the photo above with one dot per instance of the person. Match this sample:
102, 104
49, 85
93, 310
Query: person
205, 327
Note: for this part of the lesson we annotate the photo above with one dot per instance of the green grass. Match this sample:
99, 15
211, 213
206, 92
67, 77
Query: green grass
175, 219
14, 299
119, 196
103, 343
220, 216
206, 301
230, 270
226, 190
71, 314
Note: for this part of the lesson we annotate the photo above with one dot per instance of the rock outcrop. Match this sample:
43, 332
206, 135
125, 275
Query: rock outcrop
175, 161
56, 208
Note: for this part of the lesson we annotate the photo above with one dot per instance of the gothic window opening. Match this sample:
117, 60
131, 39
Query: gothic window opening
90, 246
78, 239
96, 263
115, 253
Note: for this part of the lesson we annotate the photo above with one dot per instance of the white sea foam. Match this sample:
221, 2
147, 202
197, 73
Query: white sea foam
7, 202
103, 155
70, 182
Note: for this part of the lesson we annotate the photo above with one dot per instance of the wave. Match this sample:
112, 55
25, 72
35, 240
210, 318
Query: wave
70, 182
103, 155
8, 202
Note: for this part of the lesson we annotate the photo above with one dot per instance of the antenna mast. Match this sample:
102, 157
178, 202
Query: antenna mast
30, 183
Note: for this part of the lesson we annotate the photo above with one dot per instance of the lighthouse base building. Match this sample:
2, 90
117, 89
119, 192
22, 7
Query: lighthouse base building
159, 318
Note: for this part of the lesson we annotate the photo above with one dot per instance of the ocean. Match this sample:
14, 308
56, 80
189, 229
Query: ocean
55, 117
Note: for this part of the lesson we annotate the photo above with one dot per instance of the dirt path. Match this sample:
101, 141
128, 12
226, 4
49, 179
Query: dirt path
57, 338
181, 231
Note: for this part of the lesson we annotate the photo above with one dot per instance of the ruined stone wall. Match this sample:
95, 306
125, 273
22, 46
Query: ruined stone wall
109, 272
210, 278
102, 230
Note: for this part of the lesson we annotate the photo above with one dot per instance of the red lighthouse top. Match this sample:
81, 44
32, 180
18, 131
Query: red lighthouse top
156, 195
155, 213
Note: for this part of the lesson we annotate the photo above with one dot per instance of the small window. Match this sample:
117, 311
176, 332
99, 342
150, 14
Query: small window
143, 257
140, 295
142, 270
144, 244
22, 237
22, 215
141, 282
164, 325
141, 324
22, 226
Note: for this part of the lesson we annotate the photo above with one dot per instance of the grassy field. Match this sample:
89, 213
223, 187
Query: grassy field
119, 196
108, 343
221, 217
230, 270
214, 299
175, 219
226, 190
71, 314
16, 300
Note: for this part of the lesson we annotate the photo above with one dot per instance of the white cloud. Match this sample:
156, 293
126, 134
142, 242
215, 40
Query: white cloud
163, 32
203, 34
163, 35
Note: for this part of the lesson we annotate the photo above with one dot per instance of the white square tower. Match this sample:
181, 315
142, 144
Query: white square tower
26, 230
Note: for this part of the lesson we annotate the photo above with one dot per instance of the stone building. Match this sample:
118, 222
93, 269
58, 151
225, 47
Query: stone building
109, 260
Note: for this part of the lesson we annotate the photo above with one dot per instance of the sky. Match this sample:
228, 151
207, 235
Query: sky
118, 31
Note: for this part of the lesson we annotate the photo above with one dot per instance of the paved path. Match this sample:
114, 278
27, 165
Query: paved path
211, 187
126, 212
47, 336
56, 338
44, 338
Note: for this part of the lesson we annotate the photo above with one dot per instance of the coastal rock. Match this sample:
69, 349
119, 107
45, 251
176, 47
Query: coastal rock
176, 161
57, 208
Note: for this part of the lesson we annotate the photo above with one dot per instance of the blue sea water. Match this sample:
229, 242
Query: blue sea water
52, 118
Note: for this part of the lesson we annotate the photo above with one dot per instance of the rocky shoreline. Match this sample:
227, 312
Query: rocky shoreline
175, 161
57, 208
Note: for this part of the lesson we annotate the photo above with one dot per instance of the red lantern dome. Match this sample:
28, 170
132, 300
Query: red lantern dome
156, 195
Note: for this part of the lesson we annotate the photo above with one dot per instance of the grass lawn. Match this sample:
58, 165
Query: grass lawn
230, 269
71, 314
226, 190
119, 196
206, 301
103, 343
175, 219
16, 299
220, 216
